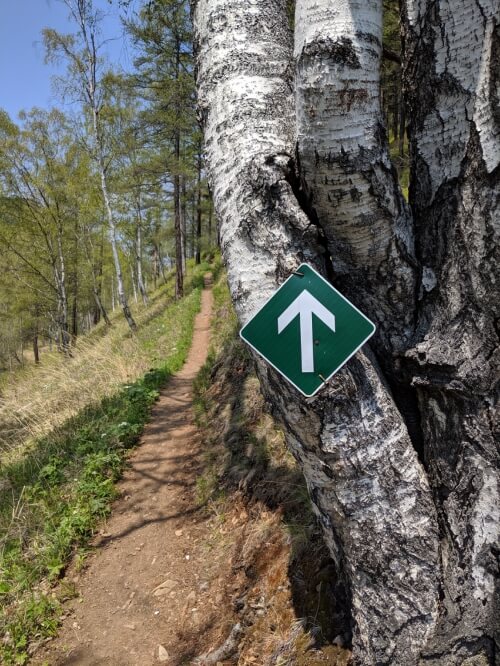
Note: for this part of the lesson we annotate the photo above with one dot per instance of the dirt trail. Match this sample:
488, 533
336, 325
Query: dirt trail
144, 596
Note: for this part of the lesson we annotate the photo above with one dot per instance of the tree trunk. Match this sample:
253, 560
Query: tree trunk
132, 279
36, 351
138, 256
74, 311
100, 306
162, 267
366, 485
96, 279
74, 320
21, 338
60, 280
122, 298
452, 55
112, 294
179, 252
156, 266
114, 248
178, 224
343, 153
156, 252
184, 223
198, 211
96, 276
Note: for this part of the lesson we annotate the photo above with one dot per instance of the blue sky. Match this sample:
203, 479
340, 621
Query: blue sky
25, 81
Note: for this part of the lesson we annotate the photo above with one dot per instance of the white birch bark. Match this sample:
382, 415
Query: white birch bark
60, 278
138, 255
122, 297
350, 182
86, 67
452, 79
367, 487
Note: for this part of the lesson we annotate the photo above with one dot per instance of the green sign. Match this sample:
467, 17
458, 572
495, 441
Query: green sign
307, 330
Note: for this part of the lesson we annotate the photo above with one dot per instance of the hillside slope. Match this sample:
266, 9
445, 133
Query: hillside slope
66, 429
276, 579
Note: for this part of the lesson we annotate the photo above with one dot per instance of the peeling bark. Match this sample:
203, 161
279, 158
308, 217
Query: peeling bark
366, 484
452, 76
350, 181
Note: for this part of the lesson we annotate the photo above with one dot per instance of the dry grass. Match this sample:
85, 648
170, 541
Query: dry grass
38, 399
279, 581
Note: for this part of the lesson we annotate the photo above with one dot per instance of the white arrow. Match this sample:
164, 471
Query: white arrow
305, 305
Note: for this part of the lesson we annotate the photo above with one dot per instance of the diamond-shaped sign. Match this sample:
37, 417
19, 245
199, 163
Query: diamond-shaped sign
307, 330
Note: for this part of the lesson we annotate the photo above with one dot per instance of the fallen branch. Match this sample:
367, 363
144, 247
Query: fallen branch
226, 650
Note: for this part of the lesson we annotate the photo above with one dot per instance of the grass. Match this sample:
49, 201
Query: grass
57, 483
37, 399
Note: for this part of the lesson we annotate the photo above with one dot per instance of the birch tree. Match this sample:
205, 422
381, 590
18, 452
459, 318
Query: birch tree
35, 236
82, 53
397, 450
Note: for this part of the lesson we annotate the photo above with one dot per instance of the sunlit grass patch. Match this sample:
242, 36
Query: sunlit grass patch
38, 399
57, 487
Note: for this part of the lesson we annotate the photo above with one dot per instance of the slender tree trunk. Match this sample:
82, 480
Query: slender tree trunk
21, 337
74, 311
367, 487
132, 279
96, 277
74, 308
100, 306
36, 351
122, 298
156, 267
198, 210
97, 282
184, 223
178, 225
74, 320
192, 228
452, 54
138, 255
179, 251
162, 267
114, 248
112, 294
60, 280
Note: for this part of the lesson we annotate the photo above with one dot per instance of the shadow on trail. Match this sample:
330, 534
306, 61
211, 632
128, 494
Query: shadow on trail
246, 468
148, 485
105, 540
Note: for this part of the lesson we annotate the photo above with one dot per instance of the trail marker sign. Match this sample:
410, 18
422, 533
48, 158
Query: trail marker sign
307, 330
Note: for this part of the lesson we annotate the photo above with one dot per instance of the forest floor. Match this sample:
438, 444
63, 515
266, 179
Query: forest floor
183, 573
